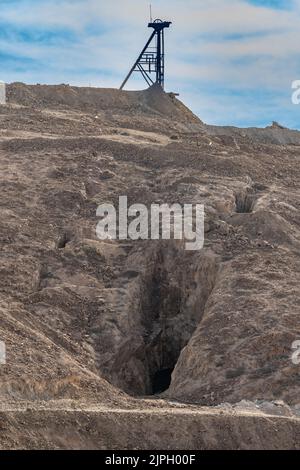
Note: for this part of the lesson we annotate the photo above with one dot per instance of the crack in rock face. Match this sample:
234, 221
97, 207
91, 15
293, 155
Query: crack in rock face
63, 241
169, 302
245, 201
85, 320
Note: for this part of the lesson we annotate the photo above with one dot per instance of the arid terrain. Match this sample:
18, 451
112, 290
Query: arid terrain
143, 344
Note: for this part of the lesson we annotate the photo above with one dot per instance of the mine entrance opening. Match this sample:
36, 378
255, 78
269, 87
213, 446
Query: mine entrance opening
244, 203
162, 339
171, 298
161, 380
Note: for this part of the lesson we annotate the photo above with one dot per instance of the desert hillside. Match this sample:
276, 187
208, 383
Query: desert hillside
135, 335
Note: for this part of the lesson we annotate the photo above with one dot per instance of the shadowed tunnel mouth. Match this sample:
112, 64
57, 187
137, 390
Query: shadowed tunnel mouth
172, 295
163, 344
246, 199
244, 203
161, 380
166, 305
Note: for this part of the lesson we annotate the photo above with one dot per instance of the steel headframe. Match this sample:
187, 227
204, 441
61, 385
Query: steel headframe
152, 58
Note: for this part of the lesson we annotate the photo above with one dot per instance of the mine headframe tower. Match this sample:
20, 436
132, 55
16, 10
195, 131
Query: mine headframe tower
152, 58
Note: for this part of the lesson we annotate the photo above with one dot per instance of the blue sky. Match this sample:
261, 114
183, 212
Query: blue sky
232, 61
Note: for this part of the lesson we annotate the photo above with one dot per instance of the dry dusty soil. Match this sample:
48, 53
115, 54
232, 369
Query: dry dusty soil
143, 344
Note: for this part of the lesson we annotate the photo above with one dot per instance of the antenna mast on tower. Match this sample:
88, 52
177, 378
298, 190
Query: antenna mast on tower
152, 58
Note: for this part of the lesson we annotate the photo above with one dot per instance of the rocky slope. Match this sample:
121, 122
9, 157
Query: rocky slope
112, 322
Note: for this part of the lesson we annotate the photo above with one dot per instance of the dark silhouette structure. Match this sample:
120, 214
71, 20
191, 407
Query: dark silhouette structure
152, 58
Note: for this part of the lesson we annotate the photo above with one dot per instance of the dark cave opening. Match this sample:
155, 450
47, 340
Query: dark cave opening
161, 381
162, 342
63, 241
170, 299
244, 202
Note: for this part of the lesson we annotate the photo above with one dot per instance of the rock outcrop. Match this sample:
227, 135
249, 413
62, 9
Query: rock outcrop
108, 323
